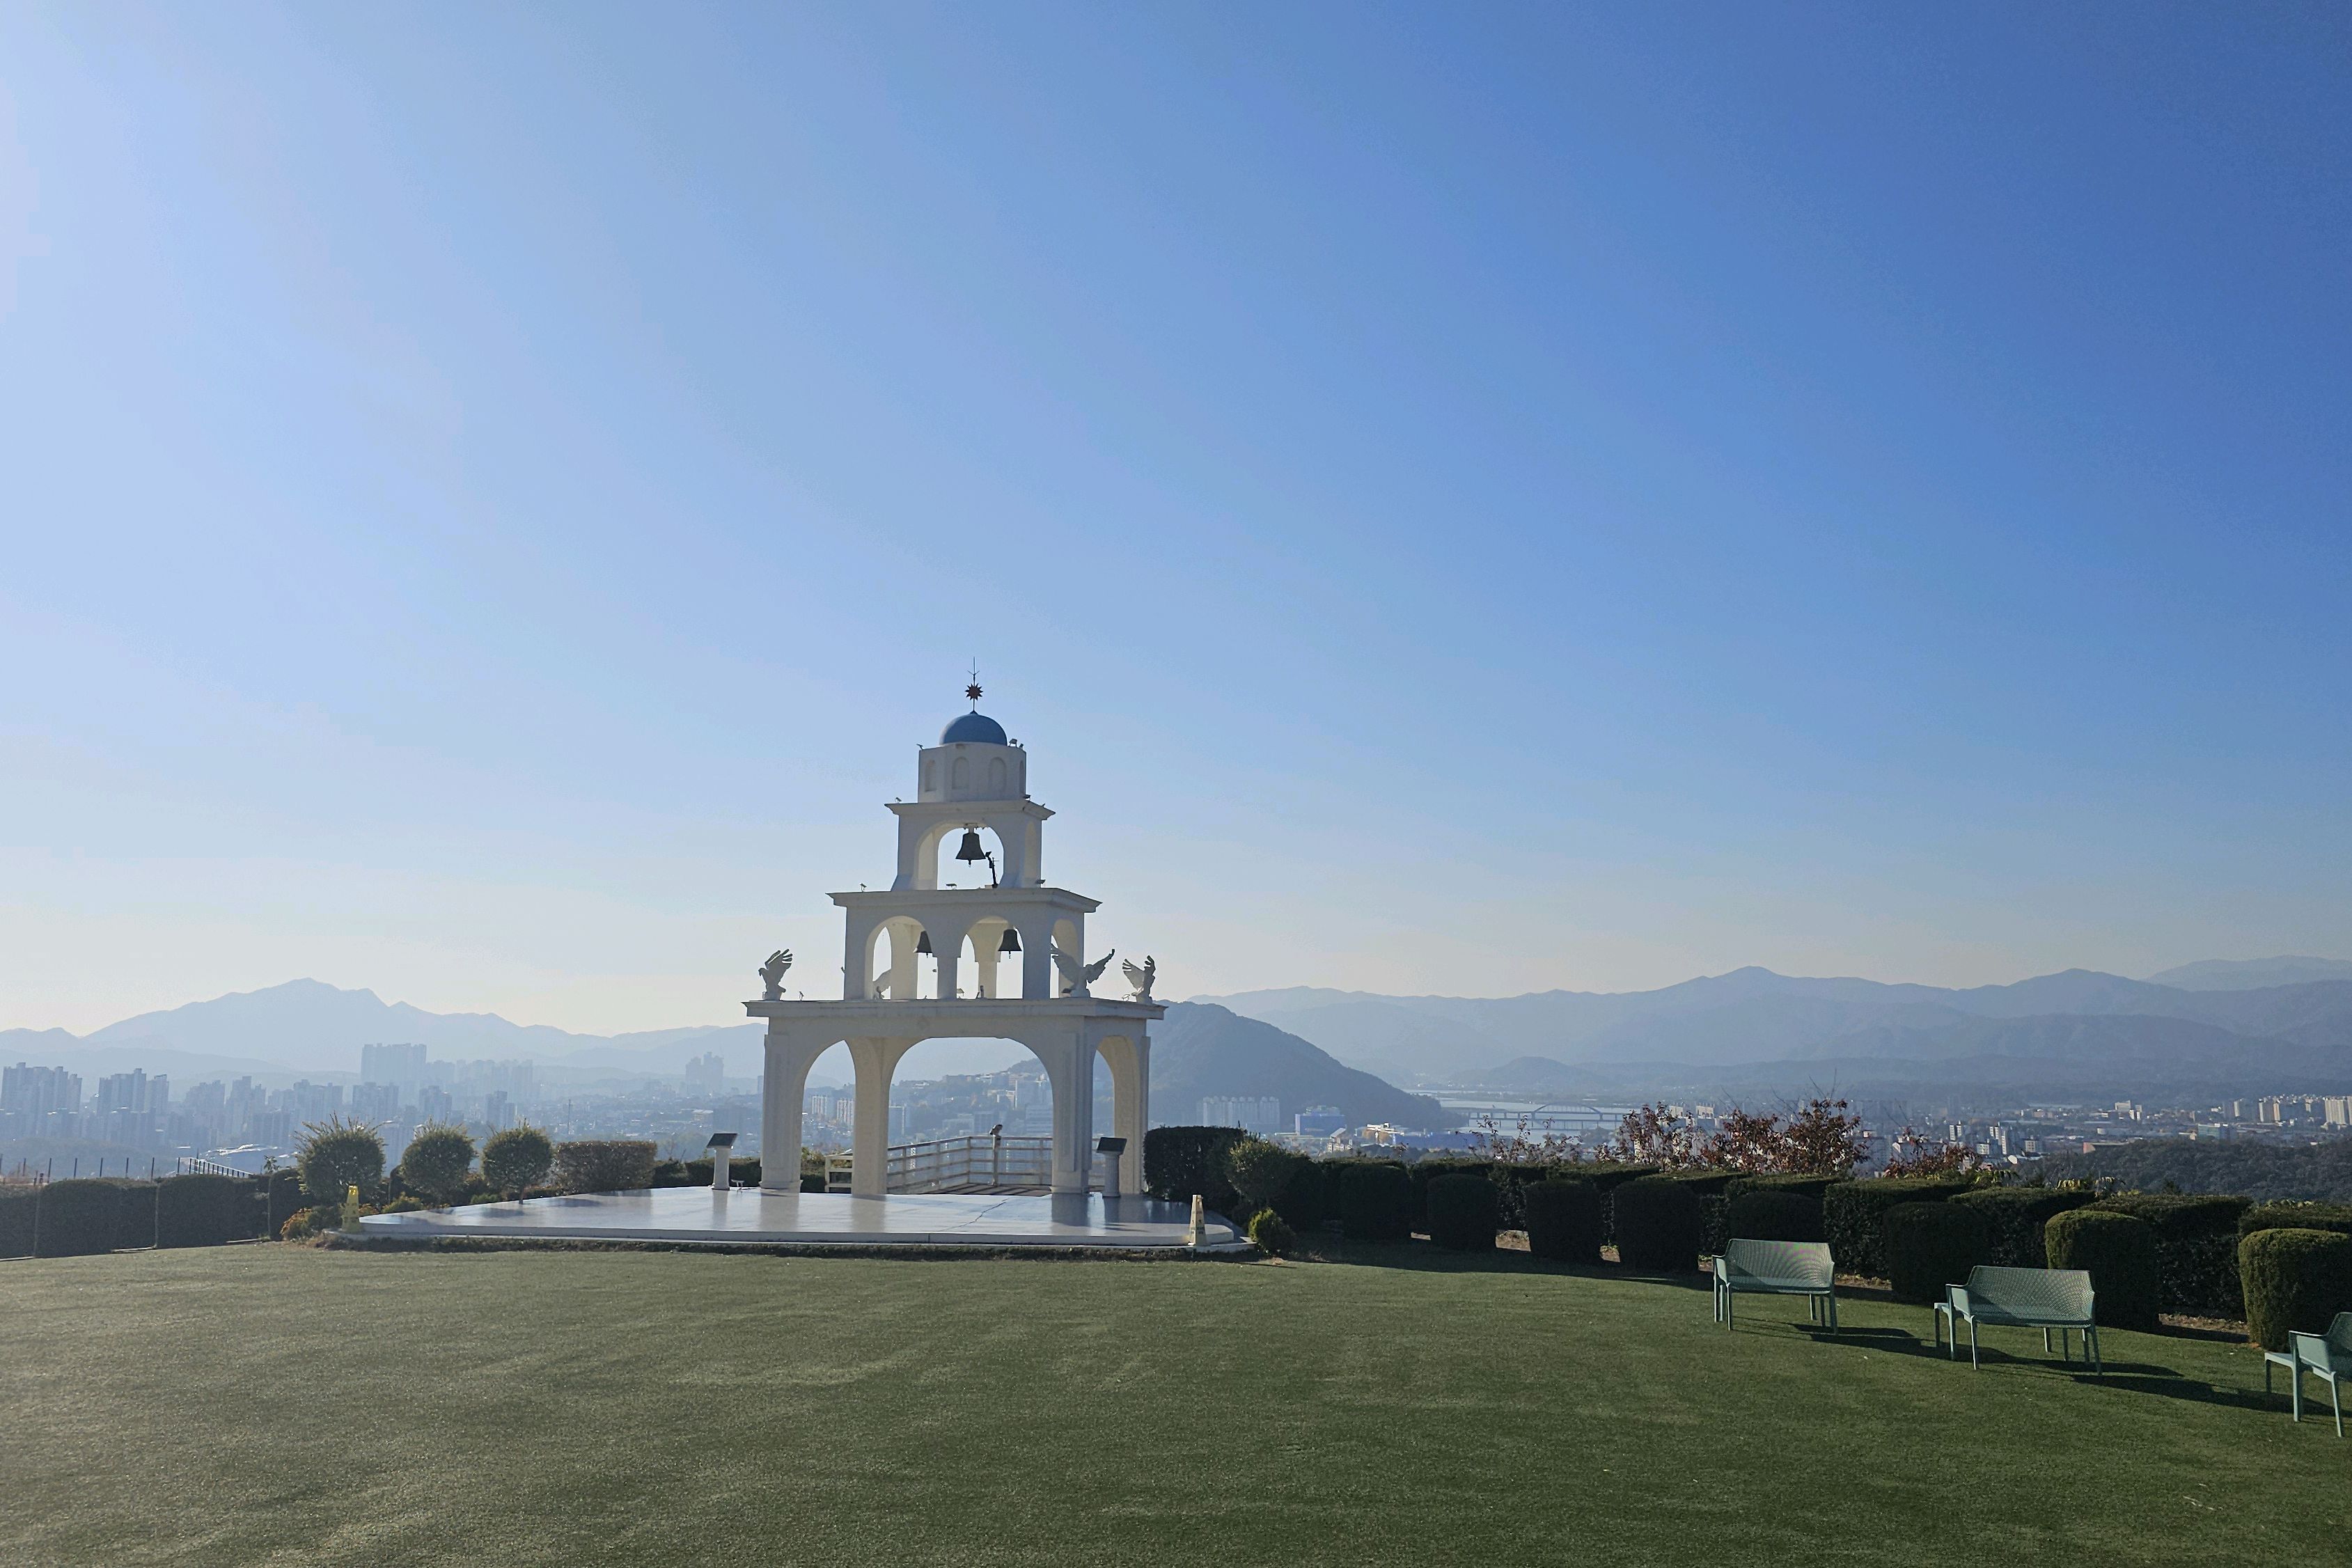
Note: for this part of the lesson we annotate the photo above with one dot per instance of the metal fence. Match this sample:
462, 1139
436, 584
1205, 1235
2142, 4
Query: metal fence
979, 1163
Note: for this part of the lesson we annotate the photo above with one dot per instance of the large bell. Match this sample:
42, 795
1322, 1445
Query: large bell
922, 942
970, 848
1011, 942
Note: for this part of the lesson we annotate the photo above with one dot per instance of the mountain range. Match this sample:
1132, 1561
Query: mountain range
2265, 1026
308, 1028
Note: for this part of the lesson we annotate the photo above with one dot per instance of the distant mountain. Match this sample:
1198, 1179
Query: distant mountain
308, 1027
2251, 973
1200, 1050
2079, 1029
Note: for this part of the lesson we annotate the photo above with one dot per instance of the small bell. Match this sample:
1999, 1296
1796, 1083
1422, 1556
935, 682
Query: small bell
1011, 943
970, 849
923, 941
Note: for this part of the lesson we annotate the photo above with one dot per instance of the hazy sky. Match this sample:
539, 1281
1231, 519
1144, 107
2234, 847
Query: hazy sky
1455, 499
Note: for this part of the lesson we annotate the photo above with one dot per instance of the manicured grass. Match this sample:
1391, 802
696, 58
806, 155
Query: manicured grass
287, 1405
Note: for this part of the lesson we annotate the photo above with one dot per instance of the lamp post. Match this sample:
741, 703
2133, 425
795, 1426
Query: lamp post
720, 1146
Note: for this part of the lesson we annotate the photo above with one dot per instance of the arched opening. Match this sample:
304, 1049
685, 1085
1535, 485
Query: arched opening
941, 853
970, 1115
908, 968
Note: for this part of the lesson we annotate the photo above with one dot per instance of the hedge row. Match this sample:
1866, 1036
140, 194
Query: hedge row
2296, 1280
90, 1215
2196, 1249
744, 1172
607, 1165
1180, 1162
1853, 1216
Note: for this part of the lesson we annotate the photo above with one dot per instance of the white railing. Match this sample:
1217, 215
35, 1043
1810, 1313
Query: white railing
979, 1163
192, 1165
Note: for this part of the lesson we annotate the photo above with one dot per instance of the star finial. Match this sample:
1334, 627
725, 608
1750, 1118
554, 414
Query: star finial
972, 691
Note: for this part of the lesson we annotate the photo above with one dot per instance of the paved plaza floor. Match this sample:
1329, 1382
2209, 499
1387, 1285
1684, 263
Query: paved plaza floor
750, 1214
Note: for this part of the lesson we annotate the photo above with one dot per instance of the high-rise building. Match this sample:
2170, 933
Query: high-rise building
401, 1066
1250, 1114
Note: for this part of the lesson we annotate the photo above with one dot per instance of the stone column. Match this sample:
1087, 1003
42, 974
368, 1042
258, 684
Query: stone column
782, 1088
1070, 1062
869, 1142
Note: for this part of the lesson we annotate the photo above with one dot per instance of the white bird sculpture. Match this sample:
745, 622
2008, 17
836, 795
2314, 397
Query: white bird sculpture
1076, 976
1142, 978
773, 972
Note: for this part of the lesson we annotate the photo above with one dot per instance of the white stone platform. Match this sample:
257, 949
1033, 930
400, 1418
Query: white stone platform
750, 1215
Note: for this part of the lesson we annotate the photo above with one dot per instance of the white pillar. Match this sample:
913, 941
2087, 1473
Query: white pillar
790, 1055
1070, 1062
869, 1139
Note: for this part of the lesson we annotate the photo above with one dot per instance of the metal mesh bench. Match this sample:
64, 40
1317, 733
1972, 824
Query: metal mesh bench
1776, 1269
2043, 1298
2327, 1357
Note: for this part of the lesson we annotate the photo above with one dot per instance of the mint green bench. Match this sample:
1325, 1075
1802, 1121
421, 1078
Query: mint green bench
2043, 1299
1776, 1269
2326, 1356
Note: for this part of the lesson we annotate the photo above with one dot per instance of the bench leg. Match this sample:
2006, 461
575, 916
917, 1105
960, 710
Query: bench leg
1972, 1345
2091, 1345
2337, 1400
2296, 1403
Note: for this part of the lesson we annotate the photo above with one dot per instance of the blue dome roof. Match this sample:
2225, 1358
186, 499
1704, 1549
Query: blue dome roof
974, 726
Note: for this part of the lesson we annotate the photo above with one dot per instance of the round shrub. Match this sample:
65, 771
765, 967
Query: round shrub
2119, 1252
337, 1154
517, 1159
1271, 1233
1564, 1220
1930, 1245
1765, 1214
2296, 1280
1658, 1226
438, 1163
1178, 1162
1375, 1199
1463, 1213
1259, 1169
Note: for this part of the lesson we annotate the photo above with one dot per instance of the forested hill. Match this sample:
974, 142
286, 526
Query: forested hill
2262, 1170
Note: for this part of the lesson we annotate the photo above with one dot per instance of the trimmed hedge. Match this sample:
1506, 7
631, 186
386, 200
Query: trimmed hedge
2120, 1251
1305, 1200
1854, 1212
1929, 1244
2336, 1218
1812, 1186
206, 1211
1178, 1162
1425, 1172
605, 1165
90, 1215
1774, 1213
1464, 1211
1657, 1222
2196, 1248
1563, 1218
16, 1219
2016, 1216
2296, 1280
1374, 1198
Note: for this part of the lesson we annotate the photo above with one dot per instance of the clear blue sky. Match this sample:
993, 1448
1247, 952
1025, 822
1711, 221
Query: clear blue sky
1462, 499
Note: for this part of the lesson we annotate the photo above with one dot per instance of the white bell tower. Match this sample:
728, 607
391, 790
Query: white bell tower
991, 934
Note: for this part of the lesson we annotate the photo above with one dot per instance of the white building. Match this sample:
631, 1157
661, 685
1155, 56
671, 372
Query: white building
1003, 959
1251, 1113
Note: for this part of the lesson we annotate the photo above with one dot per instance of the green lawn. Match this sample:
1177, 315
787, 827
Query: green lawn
286, 1405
